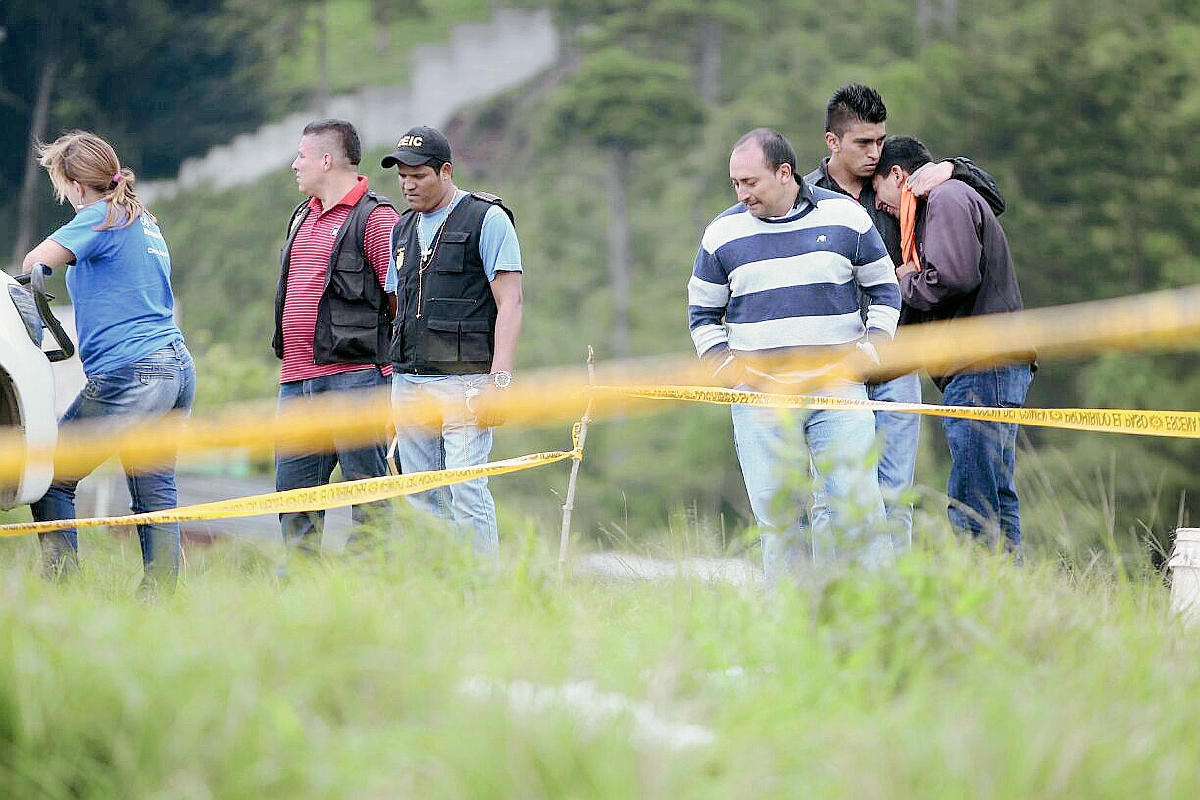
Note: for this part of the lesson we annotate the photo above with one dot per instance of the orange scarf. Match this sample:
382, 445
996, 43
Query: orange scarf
908, 227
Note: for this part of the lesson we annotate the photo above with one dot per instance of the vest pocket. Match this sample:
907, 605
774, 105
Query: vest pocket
441, 343
475, 340
453, 255
451, 340
354, 334
396, 342
348, 282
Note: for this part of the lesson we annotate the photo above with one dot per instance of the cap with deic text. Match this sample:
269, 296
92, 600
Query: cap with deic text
419, 146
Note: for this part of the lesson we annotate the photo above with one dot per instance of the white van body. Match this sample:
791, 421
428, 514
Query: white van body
26, 395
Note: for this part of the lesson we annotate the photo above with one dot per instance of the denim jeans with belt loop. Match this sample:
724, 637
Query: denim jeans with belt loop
458, 442
834, 446
145, 390
302, 530
983, 455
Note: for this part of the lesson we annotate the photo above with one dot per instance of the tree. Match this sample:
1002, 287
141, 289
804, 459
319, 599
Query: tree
930, 20
685, 32
384, 11
46, 22
625, 104
1084, 111
1087, 111
162, 79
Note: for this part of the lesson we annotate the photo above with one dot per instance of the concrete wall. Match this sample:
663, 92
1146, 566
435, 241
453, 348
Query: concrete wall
481, 61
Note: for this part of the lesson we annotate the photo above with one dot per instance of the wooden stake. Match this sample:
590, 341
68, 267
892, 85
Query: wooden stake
569, 503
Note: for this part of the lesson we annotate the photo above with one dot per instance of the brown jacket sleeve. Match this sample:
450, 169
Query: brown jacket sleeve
951, 248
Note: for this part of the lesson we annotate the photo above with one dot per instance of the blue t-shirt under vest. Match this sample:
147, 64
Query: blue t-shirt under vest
498, 245
120, 285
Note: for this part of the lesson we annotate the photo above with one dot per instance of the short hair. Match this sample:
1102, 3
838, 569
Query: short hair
851, 104
776, 149
909, 153
343, 132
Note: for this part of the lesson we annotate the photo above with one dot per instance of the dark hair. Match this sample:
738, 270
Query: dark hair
851, 104
343, 131
909, 153
776, 149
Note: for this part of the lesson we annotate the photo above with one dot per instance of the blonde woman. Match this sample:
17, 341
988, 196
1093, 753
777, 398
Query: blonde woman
133, 353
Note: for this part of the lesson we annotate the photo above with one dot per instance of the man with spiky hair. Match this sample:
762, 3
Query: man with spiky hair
332, 316
959, 266
854, 133
777, 277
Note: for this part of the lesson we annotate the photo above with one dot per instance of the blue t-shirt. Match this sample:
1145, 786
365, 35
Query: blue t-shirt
498, 245
121, 287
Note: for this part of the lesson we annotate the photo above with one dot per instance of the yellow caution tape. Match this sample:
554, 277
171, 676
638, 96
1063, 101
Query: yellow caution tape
334, 495
1164, 320
1177, 424
1159, 320
299, 426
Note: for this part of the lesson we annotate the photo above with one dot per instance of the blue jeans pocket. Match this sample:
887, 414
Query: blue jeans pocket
145, 374
105, 385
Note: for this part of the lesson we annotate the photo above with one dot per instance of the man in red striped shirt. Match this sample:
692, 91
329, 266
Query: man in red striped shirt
332, 316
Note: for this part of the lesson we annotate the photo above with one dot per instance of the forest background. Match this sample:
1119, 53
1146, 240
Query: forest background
1085, 111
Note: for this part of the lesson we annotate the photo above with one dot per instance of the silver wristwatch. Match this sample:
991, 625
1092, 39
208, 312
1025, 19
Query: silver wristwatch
501, 378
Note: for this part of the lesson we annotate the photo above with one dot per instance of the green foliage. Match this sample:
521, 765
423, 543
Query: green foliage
622, 101
162, 79
226, 283
368, 42
415, 675
165, 80
228, 377
1086, 109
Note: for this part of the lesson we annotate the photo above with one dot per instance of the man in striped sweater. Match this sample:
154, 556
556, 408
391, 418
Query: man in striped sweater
778, 275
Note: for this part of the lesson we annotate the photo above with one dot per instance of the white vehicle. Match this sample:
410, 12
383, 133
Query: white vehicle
26, 381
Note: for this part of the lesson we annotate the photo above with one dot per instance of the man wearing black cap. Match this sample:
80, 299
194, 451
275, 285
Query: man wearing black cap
332, 317
455, 270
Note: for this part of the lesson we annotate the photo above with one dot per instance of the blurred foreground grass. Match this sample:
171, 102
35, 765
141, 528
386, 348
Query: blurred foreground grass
415, 675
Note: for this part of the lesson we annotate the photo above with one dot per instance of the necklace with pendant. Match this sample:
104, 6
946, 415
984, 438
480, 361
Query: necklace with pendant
423, 262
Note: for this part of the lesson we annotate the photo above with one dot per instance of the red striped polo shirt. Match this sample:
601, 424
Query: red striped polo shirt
307, 269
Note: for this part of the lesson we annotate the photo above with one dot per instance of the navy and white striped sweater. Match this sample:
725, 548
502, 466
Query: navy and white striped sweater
765, 287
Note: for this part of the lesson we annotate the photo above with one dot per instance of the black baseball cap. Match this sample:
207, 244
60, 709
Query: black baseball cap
419, 146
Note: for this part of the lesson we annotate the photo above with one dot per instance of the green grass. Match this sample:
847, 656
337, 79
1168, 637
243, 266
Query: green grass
953, 675
354, 61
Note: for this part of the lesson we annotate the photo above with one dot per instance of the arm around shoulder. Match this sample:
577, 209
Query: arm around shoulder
981, 181
933, 175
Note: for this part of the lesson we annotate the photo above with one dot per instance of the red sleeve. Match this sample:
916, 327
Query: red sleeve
377, 239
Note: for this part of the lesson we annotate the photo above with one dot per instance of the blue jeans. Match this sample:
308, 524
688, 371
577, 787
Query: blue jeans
983, 455
302, 529
457, 442
834, 447
148, 389
900, 432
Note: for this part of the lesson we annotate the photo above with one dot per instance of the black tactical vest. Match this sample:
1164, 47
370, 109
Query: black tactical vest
445, 312
353, 318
